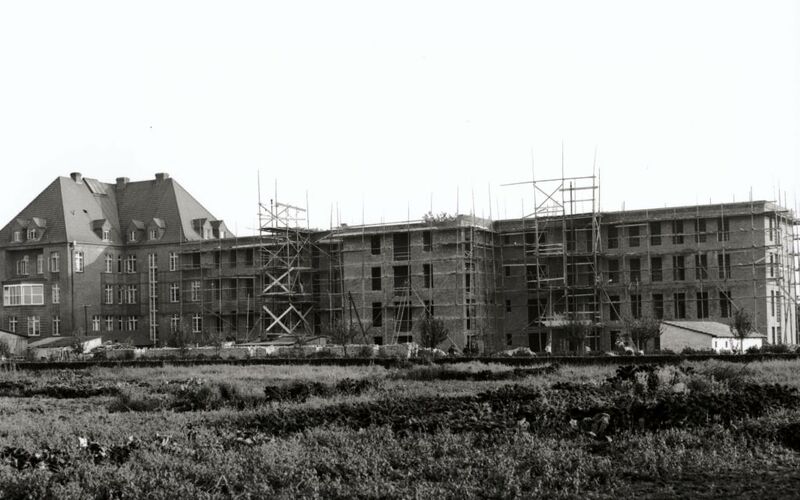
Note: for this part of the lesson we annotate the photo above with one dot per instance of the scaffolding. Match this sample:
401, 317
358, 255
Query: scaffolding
285, 245
559, 259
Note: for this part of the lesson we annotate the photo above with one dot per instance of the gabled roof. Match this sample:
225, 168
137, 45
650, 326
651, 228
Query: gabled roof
710, 328
72, 206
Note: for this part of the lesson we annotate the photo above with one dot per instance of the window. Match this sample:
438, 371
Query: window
700, 234
679, 304
22, 266
132, 236
723, 229
108, 294
130, 264
32, 234
197, 323
12, 324
173, 261
120, 323
635, 270
771, 228
23, 295
633, 236
724, 265
154, 234
508, 306
195, 291
131, 291
133, 323
656, 270
678, 268
109, 263
613, 308
34, 326
401, 281
109, 323
377, 314
468, 268
106, 235
400, 245
507, 270
78, 261
771, 265
96, 323
174, 292
152, 262
232, 258
636, 306
54, 262
613, 271
469, 313
120, 267
655, 233
17, 236
613, 237
427, 240
120, 294
701, 267
658, 306
375, 244
677, 232
55, 293
536, 308
40, 264
427, 276
376, 278
772, 302
702, 305
174, 322
725, 304
56, 325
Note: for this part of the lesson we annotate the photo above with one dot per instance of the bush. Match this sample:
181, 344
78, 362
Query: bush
692, 350
775, 349
5, 350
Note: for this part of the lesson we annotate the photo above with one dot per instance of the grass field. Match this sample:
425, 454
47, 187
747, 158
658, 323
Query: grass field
704, 429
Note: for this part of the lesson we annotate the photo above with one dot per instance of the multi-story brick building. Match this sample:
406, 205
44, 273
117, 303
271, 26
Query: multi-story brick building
141, 261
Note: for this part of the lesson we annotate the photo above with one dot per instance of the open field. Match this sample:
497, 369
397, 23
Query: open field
698, 429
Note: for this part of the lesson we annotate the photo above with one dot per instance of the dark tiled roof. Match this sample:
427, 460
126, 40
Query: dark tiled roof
712, 328
72, 208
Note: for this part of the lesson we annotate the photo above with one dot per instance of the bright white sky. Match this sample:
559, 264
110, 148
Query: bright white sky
391, 105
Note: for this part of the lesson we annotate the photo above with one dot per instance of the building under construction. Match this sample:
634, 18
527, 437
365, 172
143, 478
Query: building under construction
495, 283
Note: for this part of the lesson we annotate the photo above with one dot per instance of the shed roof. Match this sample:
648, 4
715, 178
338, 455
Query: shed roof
710, 328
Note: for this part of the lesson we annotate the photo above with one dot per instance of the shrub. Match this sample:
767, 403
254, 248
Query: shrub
5, 350
775, 348
703, 350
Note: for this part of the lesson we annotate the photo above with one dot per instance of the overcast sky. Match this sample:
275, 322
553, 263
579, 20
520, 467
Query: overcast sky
397, 106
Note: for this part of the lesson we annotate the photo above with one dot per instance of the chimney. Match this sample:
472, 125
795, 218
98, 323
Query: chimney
76, 176
121, 181
162, 176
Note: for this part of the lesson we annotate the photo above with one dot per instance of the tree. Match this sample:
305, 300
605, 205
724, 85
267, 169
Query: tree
432, 332
643, 329
576, 332
741, 326
341, 333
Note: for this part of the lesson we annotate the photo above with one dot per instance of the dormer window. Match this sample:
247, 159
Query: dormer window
132, 236
17, 236
154, 234
208, 234
33, 234
106, 235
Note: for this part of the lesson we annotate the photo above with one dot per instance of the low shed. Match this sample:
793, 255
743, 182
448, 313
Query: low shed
678, 335
62, 347
16, 343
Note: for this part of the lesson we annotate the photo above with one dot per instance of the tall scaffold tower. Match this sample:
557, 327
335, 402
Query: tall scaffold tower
286, 268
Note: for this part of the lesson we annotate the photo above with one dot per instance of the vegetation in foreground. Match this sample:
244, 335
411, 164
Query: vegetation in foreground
703, 429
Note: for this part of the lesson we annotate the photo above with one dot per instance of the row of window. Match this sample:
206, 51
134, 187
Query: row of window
635, 234
32, 234
401, 244
679, 310
678, 268
33, 325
